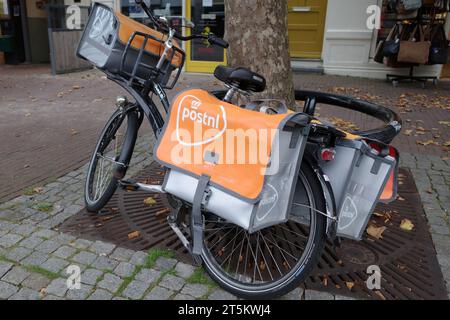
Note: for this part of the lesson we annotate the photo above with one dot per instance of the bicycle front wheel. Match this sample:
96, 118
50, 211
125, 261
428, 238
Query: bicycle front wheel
115, 147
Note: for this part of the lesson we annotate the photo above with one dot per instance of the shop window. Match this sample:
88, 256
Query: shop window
392, 14
173, 9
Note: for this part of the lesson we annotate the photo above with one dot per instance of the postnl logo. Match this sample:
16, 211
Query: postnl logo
197, 118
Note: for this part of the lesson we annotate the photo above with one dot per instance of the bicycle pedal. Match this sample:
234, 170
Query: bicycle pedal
128, 185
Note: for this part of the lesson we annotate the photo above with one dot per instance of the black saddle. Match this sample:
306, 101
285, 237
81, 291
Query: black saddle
241, 78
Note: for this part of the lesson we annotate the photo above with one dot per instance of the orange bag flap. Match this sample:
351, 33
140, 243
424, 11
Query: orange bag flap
389, 193
128, 26
206, 136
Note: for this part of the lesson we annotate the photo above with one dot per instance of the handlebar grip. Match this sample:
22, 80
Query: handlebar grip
218, 41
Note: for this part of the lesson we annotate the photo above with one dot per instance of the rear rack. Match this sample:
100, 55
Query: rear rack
156, 75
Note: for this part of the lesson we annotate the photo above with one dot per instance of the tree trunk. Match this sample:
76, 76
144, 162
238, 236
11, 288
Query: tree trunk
257, 33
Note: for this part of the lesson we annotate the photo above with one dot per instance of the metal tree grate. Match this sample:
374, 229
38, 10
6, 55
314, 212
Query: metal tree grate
407, 259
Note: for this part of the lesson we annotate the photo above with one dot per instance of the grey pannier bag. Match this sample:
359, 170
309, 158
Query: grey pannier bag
358, 176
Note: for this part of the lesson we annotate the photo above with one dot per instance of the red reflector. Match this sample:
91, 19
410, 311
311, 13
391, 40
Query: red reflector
327, 154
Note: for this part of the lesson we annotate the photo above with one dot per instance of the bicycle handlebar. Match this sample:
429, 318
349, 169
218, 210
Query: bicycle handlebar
211, 37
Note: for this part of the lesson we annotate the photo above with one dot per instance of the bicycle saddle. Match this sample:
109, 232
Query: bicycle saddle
241, 78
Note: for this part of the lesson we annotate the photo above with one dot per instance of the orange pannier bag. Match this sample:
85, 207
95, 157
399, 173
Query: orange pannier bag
105, 39
250, 159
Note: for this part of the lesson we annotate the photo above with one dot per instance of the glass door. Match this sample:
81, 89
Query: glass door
208, 16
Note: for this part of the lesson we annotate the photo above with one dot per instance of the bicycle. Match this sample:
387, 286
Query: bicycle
258, 236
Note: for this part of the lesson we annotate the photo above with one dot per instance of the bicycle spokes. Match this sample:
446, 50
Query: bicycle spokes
263, 256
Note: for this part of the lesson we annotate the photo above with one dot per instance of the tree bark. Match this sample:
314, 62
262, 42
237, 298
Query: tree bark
258, 37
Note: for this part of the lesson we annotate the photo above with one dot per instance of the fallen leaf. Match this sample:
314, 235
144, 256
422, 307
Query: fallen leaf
160, 212
27, 114
406, 225
349, 285
73, 132
38, 190
446, 143
76, 87
427, 143
106, 218
402, 267
379, 294
149, 201
408, 132
133, 235
376, 232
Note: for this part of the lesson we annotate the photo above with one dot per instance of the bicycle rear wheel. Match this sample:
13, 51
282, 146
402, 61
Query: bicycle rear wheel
114, 148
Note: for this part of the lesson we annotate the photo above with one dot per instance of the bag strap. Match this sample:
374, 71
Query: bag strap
413, 35
200, 198
392, 32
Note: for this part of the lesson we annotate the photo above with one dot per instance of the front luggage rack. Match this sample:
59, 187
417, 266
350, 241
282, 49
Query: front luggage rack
151, 72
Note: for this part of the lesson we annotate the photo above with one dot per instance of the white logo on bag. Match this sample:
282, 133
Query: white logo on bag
271, 199
191, 113
348, 213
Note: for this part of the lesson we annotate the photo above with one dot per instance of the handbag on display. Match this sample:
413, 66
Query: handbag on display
439, 46
391, 45
415, 50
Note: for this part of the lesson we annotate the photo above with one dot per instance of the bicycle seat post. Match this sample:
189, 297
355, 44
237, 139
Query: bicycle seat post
230, 94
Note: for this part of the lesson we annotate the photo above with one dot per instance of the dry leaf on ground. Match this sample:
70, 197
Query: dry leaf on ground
427, 143
408, 132
379, 294
160, 212
149, 201
38, 190
349, 285
376, 232
407, 225
133, 235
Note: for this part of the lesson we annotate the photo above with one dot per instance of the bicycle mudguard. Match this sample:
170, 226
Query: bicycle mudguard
252, 159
